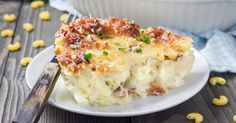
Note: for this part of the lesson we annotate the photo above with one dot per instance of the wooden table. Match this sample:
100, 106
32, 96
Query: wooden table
13, 88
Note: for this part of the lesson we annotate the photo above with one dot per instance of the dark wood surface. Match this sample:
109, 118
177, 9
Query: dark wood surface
36, 101
14, 90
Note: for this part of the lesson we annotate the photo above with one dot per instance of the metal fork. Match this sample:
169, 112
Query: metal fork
34, 104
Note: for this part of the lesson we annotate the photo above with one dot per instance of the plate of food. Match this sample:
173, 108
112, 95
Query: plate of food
114, 67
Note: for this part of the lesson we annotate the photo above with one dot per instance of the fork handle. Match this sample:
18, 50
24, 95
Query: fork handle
35, 102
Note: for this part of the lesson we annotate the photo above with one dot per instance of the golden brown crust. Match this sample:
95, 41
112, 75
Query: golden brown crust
93, 34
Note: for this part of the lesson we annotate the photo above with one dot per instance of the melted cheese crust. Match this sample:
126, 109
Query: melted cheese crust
124, 60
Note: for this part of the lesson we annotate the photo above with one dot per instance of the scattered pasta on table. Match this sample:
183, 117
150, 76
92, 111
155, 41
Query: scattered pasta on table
9, 18
14, 47
7, 33
28, 27
25, 61
63, 17
221, 101
38, 44
197, 117
44, 15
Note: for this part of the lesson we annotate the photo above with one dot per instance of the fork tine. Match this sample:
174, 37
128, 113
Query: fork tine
74, 17
70, 18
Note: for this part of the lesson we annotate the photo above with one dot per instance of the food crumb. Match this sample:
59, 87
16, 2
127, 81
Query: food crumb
9, 18
234, 118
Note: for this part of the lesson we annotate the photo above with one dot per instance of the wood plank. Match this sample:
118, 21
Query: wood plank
14, 78
200, 103
222, 114
178, 114
56, 115
6, 8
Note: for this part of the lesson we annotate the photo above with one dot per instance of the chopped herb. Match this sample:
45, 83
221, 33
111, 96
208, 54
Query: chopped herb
85, 34
117, 43
145, 39
132, 23
88, 56
120, 48
138, 50
99, 33
73, 47
104, 52
141, 31
107, 36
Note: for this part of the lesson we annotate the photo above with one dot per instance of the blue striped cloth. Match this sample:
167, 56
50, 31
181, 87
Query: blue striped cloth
217, 47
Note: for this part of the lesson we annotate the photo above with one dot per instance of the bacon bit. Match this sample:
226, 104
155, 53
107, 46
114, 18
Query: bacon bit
156, 90
64, 60
73, 67
179, 55
121, 26
75, 31
160, 35
93, 67
132, 90
119, 94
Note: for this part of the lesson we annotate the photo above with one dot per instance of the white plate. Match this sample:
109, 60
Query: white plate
61, 98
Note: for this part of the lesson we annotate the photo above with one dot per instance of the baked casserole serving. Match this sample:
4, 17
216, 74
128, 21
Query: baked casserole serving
111, 61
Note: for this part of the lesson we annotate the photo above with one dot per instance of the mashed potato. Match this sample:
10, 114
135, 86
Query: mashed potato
111, 61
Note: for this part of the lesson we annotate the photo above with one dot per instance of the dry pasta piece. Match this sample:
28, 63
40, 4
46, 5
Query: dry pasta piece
223, 100
44, 15
64, 17
37, 4
7, 33
28, 27
25, 61
9, 18
195, 116
234, 118
217, 80
38, 43
14, 47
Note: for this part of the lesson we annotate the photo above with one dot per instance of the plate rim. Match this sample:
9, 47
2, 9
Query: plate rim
120, 114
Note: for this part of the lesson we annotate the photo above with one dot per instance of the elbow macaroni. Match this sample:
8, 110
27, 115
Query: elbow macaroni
195, 116
234, 118
217, 80
38, 43
64, 17
7, 33
37, 4
223, 100
44, 15
25, 61
14, 47
28, 27
9, 18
